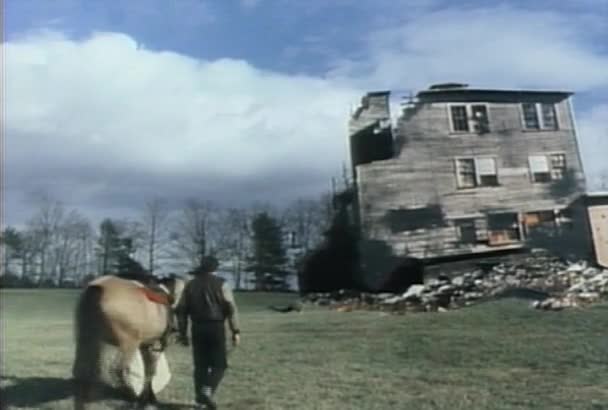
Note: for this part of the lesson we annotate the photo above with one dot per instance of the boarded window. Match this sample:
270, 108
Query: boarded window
549, 117
480, 116
460, 122
531, 121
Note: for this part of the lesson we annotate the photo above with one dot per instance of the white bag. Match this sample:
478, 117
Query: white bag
134, 377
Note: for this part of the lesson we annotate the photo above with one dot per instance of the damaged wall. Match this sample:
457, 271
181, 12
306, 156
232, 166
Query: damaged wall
424, 174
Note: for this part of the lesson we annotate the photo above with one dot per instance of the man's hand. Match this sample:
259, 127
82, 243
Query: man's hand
236, 339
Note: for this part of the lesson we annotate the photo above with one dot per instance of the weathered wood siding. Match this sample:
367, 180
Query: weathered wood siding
424, 172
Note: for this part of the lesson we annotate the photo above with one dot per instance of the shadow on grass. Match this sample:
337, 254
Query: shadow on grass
32, 392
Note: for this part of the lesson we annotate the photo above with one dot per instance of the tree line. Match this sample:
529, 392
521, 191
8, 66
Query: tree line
62, 247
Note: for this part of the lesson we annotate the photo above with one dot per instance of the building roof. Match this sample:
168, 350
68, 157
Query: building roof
449, 91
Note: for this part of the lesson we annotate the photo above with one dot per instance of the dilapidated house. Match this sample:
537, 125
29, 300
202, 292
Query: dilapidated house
464, 170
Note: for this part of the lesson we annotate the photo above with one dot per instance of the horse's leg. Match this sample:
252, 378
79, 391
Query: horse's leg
150, 358
128, 349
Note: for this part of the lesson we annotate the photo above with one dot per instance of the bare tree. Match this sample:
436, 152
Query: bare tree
44, 227
234, 240
68, 244
305, 219
190, 233
154, 226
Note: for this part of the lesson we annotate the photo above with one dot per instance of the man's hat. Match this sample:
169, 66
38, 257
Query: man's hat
208, 264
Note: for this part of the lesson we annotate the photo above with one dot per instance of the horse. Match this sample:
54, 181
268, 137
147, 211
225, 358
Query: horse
126, 314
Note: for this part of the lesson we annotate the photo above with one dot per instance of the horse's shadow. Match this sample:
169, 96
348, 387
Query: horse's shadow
33, 392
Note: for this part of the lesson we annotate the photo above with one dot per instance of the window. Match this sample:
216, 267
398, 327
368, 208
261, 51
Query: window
558, 166
467, 233
470, 118
503, 228
549, 118
460, 121
547, 168
530, 116
539, 116
476, 172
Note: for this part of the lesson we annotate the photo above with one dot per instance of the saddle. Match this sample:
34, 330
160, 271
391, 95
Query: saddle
156, 296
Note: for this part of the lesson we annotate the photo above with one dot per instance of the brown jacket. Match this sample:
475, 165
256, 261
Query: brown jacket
207, 298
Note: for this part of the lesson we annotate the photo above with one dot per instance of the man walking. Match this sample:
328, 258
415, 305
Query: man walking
208, 302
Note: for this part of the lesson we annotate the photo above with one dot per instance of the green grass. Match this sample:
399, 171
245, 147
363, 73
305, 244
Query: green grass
500, 355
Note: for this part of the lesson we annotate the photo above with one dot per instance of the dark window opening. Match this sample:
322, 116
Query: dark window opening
549, 117
400, 220
467, 233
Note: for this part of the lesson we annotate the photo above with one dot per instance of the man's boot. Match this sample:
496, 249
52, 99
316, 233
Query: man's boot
205, 399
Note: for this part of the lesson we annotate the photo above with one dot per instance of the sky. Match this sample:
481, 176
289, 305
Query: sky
108, 104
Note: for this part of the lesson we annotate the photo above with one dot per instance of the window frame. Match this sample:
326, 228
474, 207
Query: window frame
471, 122
538, 107
549, 157
478, 183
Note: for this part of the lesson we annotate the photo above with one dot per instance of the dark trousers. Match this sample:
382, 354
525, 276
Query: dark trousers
209, 354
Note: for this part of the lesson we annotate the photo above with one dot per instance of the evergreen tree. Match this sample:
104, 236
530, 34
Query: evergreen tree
268, 259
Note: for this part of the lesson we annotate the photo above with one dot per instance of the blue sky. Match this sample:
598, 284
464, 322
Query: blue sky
161, 94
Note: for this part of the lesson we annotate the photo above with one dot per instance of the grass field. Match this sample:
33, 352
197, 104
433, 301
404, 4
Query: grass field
500, 355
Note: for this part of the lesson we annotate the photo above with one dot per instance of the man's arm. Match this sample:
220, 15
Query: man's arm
182, 311
232, 311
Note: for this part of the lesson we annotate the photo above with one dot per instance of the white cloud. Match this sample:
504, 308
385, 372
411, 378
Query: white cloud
500, 46
106, 103
105, 117
593, 131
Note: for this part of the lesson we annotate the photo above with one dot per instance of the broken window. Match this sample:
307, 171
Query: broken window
539, 116
460, 121
476, 172
530, 116
549, 168
480, 116
539, 218
467, 233
466, 118
400, 220
503, 228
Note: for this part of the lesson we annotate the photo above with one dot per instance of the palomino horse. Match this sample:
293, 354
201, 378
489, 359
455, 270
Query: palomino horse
127, 315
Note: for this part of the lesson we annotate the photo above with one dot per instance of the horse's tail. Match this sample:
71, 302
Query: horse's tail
89, 322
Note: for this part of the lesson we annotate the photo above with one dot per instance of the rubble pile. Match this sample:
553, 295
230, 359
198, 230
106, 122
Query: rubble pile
550, 282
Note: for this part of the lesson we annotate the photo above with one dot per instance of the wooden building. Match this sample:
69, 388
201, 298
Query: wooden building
464, 170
